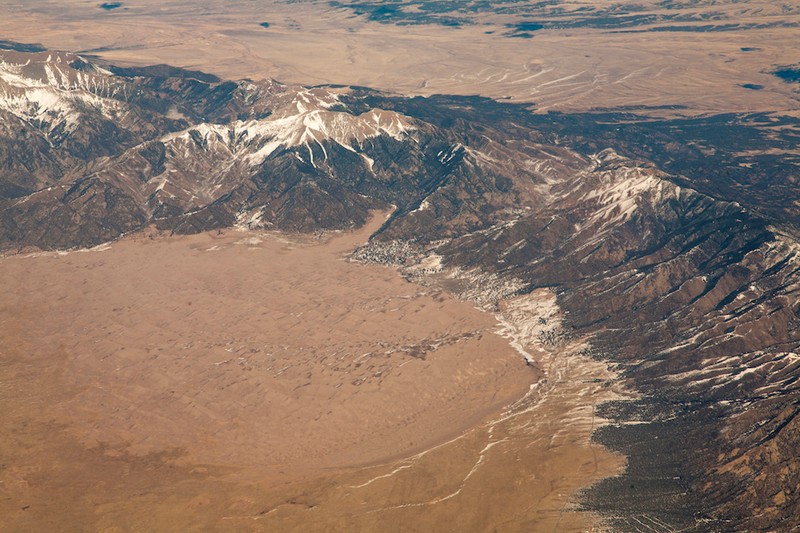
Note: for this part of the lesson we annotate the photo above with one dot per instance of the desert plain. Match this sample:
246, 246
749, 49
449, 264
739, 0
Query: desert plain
259, 381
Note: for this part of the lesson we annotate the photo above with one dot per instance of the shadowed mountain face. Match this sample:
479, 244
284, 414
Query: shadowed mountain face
672, 245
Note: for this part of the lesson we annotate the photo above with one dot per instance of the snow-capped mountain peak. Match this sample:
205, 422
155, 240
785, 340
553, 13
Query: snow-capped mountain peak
52, 90
306, 118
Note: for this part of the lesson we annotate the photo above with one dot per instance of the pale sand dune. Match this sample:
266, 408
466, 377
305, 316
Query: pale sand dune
243, 349
246, 381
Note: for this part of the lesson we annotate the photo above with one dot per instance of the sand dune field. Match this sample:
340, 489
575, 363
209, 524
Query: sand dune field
237, 379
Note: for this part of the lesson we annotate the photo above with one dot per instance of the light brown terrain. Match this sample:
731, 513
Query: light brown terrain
240, 381
573, 69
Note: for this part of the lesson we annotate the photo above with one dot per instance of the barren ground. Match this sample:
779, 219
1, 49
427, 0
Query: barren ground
242, 380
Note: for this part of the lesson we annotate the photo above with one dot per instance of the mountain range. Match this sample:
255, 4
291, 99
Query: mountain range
672, 244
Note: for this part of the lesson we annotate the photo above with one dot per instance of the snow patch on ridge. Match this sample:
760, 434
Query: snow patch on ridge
54, 95
621, 188
304, 122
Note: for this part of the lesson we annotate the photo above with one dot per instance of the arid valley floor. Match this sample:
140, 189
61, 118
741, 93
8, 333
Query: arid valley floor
245, 381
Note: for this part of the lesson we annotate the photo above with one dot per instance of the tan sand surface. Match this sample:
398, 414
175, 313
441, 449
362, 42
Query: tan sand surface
242, 381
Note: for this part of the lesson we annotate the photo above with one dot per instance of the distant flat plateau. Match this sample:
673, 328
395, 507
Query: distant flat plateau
699, 57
